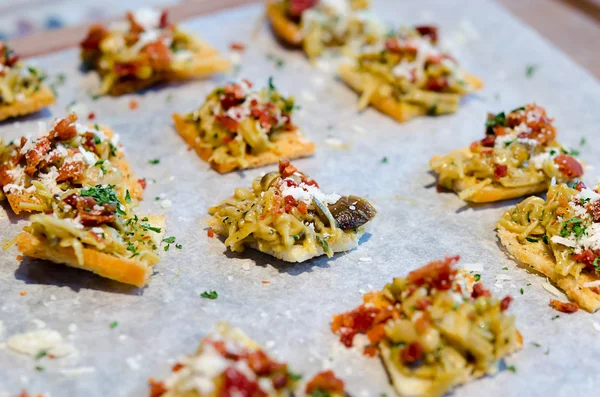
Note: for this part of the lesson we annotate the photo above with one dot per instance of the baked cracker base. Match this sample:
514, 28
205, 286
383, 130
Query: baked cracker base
31, 104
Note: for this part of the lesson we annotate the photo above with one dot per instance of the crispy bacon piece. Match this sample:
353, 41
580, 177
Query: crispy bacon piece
164, 20
227, 122
157, 388
72, 171
412, 353
437, 84
297, 7
505, 303
586, 257
143, 183
233, 95
564, 307
159, 55
236, 384
437, 274
286, 168
500, 170
35, 156
488, 141
5, 178
135, 27
428, 31
64, 129
325, 381
261, 364
90, 213
95, 35
290, 203
480, 290
237, 46
580, 186
125, 68
302, 207
393, 45
568, 166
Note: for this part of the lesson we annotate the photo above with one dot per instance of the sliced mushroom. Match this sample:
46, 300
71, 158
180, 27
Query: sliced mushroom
351, 212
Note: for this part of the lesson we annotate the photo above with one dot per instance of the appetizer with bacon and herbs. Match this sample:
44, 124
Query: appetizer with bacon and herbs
227, 363
22, 90
286, 215
560, 238
317, 25
433, 329
238, 128
407, 75
145, 50
325, 384
34, 171
519, 156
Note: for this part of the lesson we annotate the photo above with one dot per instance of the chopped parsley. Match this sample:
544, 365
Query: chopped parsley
521, 290
271, 85
169, 240
178, 246
477, 277
511, 368
103, 195
596, 263
572, 226
536, 344
209, 294
279, 63
39, 369
131, 248
101, 164
156, 198
505, 268
555, 317
545, 239
530, 70
323, 243
582, 141
154, 161
494, 120
113, 325
531, 239
384, 160
294, 377
40, 354
147, 227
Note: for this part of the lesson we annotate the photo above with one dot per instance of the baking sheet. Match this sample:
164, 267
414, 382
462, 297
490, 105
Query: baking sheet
291, 314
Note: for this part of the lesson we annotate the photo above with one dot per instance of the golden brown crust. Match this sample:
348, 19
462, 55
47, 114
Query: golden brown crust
123, 270
539, 257
291, 145
284, 28
489, 193
400, 111
39, 100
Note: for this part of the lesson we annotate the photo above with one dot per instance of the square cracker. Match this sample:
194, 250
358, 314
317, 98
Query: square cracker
126, 271
489, 193
31, 104
399, 110
291, 145
539, 257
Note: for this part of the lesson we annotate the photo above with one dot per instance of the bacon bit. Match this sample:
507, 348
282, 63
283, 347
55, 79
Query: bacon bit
177, 367
480, 290
143, 183
586, 257
392, 45
265, 282
35, 156
19, 257
359, 320
236, 46
488, 141
297, 7
133, 104
376, 333
89, 213
309, 182
428, 31
564, 307
210, 233
125, 68
580, 186
91, 116
286, 168
236, 381
505, 303
370, 351
412, 353
95, 35
500, 170
135, 26
437, 274
159, 55
568, 166
325, 381
438, 83
164, 20
72, 171
302, 207
259, 362
229, 123
157, 388
290, 203
23, 293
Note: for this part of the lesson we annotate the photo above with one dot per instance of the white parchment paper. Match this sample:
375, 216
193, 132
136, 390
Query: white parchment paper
290, 315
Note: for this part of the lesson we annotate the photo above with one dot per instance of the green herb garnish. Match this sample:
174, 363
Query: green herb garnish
209, 294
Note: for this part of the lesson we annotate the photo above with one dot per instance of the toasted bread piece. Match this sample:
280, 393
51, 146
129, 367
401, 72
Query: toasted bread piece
286, 29
291, 145
206, 62
31, 104
398, 110
414, 386
539, 257
489, 193
126, 271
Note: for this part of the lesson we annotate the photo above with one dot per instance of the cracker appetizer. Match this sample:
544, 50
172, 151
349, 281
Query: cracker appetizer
407, 76
560, 238
34, 171
227, 363
325, 384
147, 50
286, 215
434, 329
317, 25
240, 128
22, 90
519, 156
94, 229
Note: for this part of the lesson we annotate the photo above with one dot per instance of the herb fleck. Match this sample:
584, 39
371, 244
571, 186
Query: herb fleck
113, 325
209, 294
